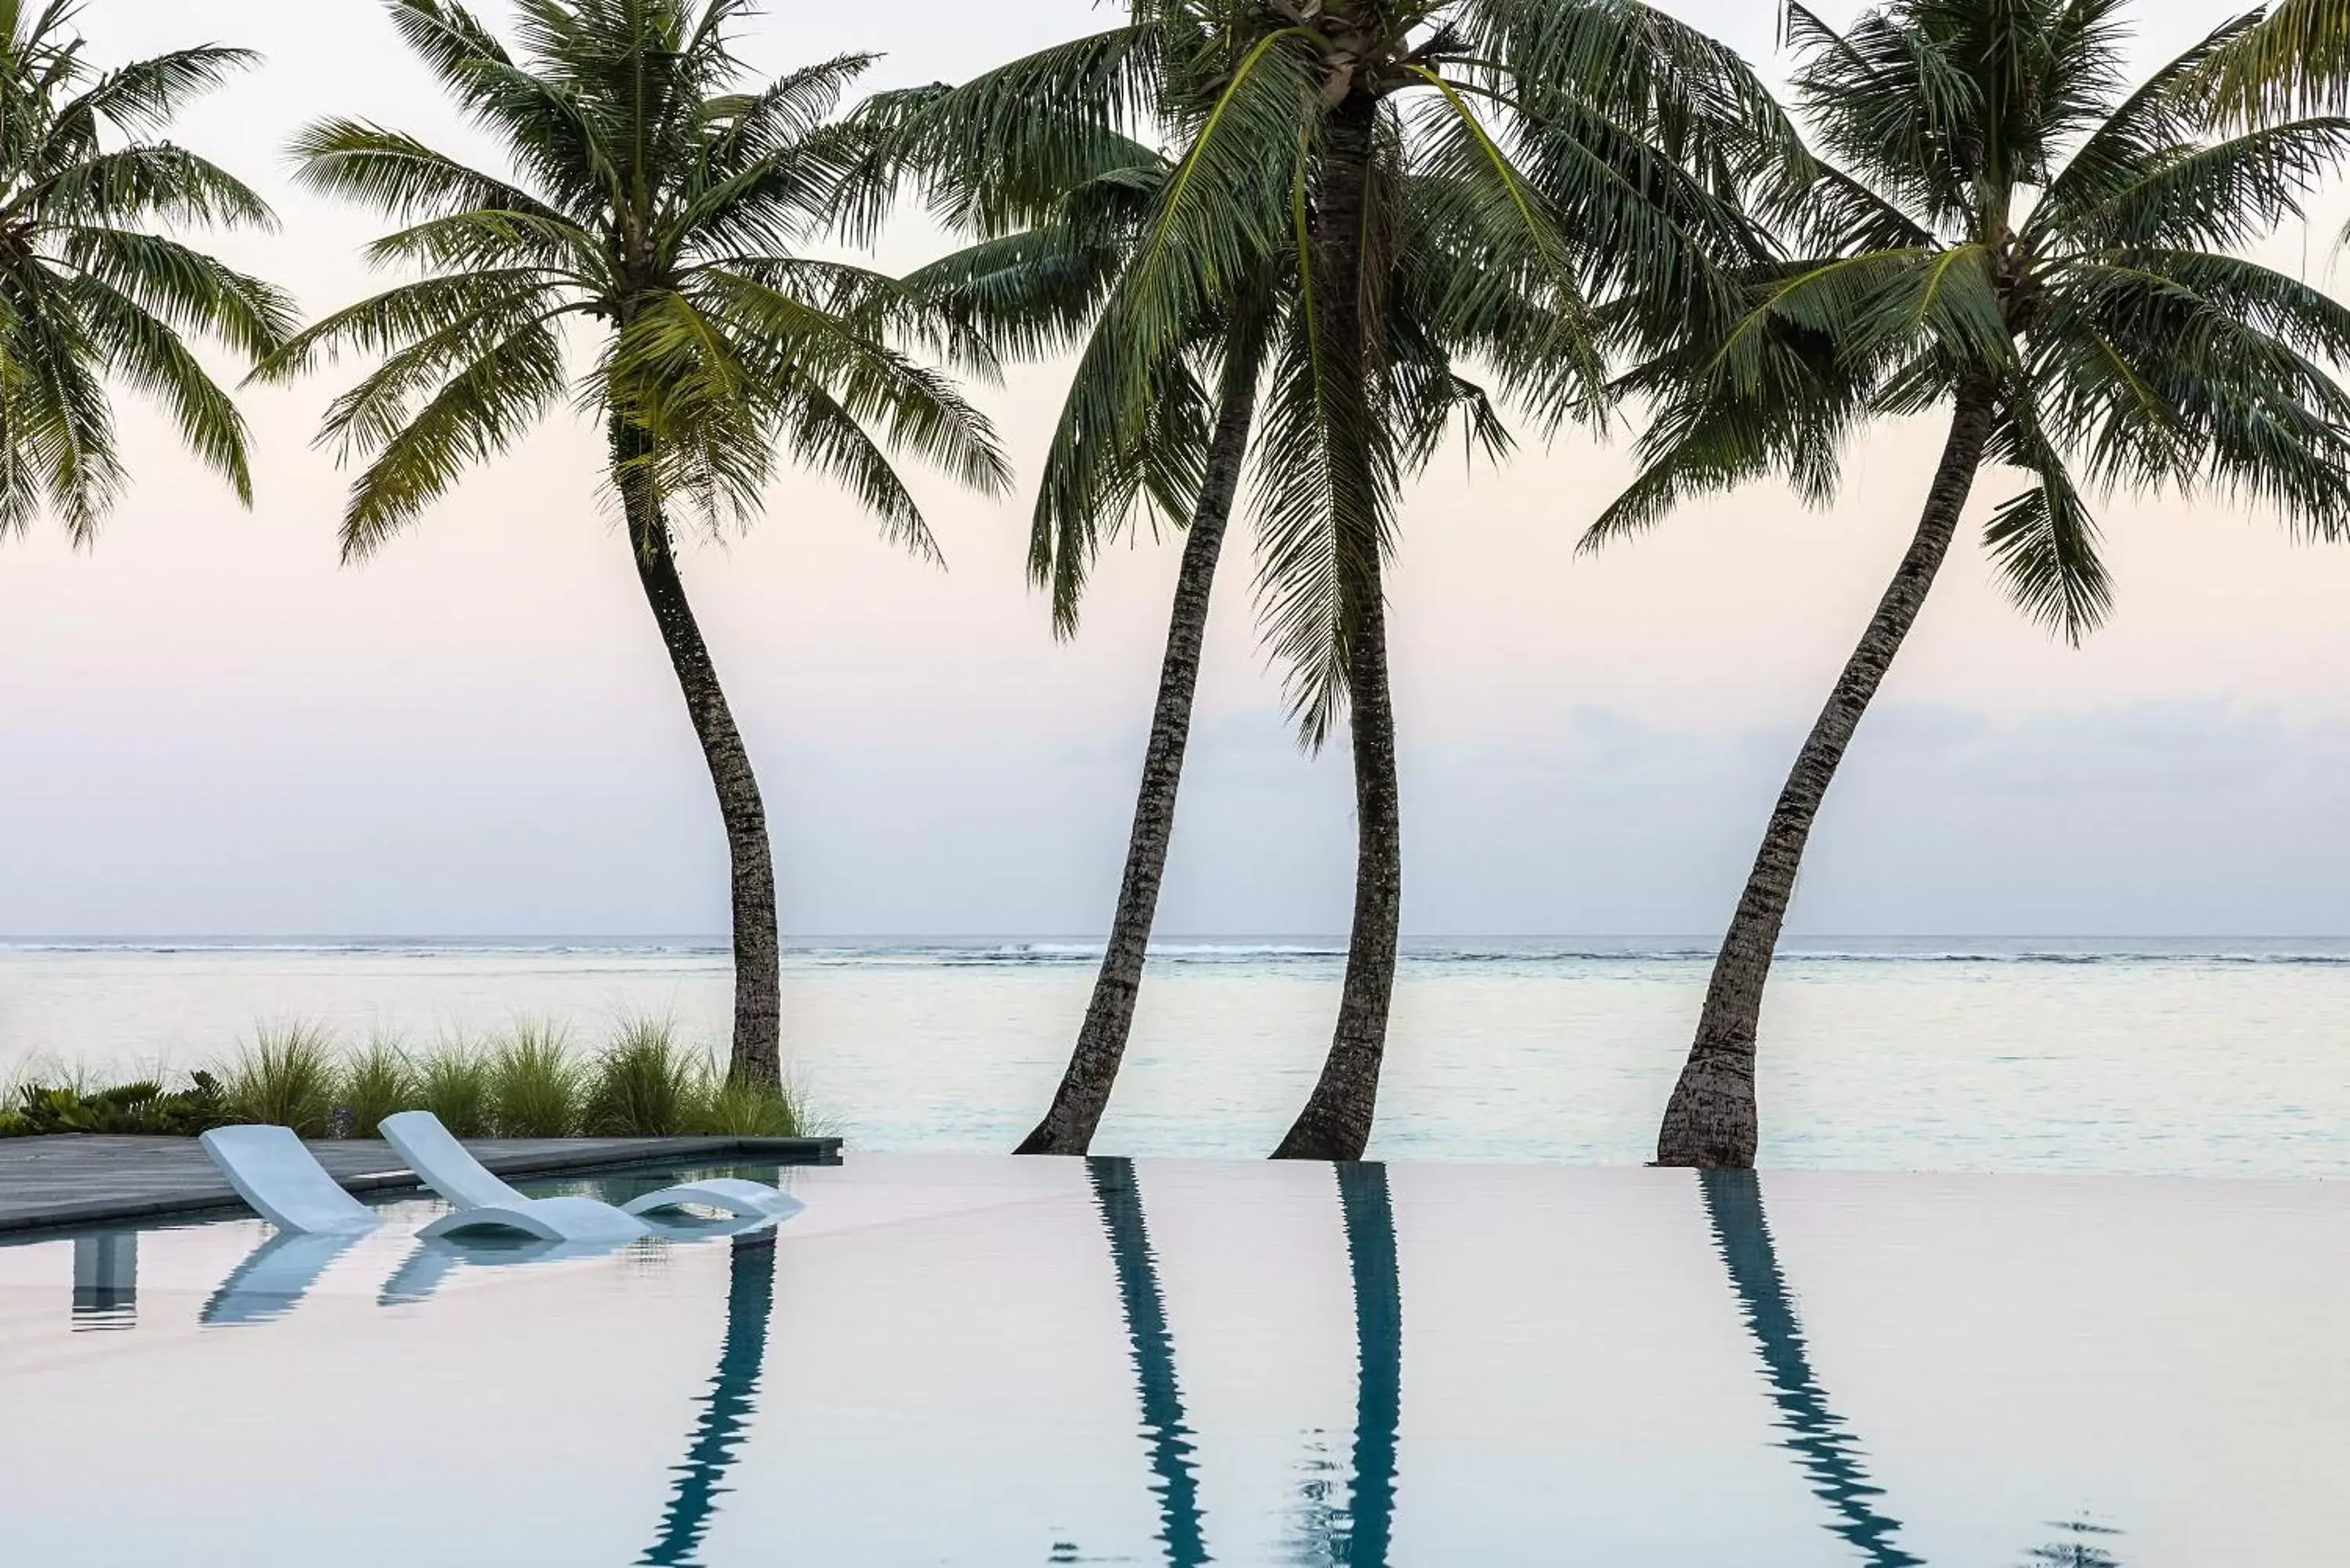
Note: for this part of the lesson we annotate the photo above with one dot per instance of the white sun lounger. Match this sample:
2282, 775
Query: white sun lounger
284, 1181
450, 1169
482, 1202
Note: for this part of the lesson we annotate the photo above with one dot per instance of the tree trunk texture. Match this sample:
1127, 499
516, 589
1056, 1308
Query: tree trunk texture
1084, 1093
756, 1055
1335, 1123
1710, 1121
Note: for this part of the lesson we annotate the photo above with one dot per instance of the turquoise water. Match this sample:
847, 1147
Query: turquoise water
2213, 1057
968, 1360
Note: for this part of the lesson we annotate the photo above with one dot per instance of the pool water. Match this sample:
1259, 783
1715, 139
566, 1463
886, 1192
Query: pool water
983, 1360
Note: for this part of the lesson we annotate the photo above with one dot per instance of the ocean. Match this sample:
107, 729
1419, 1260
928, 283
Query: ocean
2220, 1057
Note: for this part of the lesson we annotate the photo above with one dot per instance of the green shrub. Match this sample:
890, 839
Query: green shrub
454, 1085
730, 1108
144, 1108
379, 1081
644, 1084
286, 1078
534, 1084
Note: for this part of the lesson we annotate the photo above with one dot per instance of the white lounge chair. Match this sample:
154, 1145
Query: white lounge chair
284, 1181
482, 1202
450, 1169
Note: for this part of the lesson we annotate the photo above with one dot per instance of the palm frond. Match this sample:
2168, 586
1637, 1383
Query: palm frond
91, 295
2042, 540
474, 416
397, 174
191, 291
148, 354
2295, 59
2217, 197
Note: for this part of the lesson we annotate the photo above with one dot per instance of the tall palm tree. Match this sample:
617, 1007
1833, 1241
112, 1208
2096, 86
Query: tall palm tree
1358, 194
90, 292
1058, 196
1313, 137
655, 194
2001, 230
1069, 1122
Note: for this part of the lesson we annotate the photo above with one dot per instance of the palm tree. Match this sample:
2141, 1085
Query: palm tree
90, 291
655, 194
1058, 196
2004, 232
1362, 194
1082, 1096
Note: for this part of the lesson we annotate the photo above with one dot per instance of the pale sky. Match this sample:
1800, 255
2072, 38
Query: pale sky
209, 727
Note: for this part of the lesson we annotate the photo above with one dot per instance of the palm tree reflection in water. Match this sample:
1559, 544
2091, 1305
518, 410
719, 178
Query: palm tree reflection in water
1733, 1201
726, 1409
1358, 1535
2076, 1551
1153, 1348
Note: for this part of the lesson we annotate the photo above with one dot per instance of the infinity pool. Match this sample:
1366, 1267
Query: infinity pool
978, 1360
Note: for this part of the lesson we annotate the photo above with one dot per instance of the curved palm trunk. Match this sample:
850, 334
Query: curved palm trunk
1711, 1119
1084, 1093
756, 1056
1336, 1121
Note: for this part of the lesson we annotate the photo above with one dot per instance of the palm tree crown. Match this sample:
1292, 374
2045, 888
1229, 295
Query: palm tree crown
1996, 214
88, 290
656, 195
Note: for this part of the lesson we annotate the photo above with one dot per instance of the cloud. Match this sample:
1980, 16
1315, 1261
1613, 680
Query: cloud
2155, 818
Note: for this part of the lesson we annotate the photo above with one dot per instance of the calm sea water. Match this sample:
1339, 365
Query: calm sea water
2220, 1057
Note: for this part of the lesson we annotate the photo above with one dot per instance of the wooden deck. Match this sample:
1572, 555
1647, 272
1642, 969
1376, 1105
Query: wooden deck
93, 1179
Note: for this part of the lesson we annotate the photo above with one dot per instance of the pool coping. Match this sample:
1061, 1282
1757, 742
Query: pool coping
151, 1178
